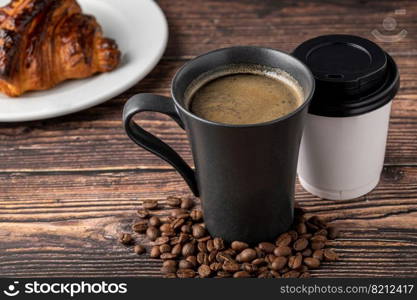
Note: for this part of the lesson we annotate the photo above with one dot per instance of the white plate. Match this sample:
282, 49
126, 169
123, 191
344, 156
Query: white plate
141, 31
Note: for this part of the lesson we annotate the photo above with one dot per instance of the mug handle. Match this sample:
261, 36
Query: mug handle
154, 103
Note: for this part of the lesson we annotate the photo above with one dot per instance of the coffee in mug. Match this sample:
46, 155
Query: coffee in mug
244, 94
244, 173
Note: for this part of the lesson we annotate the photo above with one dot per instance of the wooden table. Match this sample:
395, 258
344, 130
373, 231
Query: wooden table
69, 185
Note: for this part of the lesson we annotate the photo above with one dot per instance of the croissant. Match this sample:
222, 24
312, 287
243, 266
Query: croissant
44, 42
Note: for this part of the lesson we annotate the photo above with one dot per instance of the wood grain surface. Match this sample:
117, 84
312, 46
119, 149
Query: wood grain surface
69, 185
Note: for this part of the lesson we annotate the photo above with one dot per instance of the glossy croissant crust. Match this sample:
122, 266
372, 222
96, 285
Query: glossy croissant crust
44, 42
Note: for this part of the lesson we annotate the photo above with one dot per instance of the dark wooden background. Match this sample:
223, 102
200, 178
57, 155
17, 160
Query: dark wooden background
70, 184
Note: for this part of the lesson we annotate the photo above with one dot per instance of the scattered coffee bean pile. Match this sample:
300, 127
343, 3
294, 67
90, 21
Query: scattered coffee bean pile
188, 251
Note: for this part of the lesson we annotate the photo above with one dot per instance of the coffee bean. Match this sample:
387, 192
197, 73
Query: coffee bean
248, 267
318, 221
170, 275
312, 262
169, 263
187, 203
241, 274
300, 244
224, 256
322, 232
210, 245
307, 252
201, 247
269, 258
150, 204
152, 233
301, 228
167, 219
284, 239
279, 263
316, 245
319, 238
177, 240
198, 231
230, 252
231, 266
291, 274
265, 274
318, 254
311, 227
169, 266
333, 232
282, 251
294, 262
177, 223
165, 248
247, 255
166, 227
165, 256
186, 228
196, 215
155, 252
139, 249
180, 213
143, 213
154, 221
223, 274
211, 257
185, 264
259, 252
173, 201
303, 268
259, 261
186, 273
221, 257
275, 274
305, 275
306, 236
183, 237
204, 239
140, 227
330, 255
192, 259
168, 270
218, 243
239, 246
204, 271
216, 266
188, 249
293, 234
202, 258
161, 240
176, 249
266, 247
126, 239
170, 233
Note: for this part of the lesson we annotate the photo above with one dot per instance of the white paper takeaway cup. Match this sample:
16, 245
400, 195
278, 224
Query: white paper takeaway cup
343, 146
342, 158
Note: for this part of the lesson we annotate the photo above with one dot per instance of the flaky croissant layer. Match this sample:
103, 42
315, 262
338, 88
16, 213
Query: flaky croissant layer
44, 42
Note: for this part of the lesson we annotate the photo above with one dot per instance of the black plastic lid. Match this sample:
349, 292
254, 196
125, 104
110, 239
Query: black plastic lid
353, 75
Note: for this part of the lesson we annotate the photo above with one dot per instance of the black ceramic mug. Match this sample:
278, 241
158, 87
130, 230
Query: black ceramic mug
244, 174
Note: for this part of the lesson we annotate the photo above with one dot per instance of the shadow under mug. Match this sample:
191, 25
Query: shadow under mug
244, 174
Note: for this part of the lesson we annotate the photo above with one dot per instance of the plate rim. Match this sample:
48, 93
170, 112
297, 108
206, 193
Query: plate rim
130, 82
